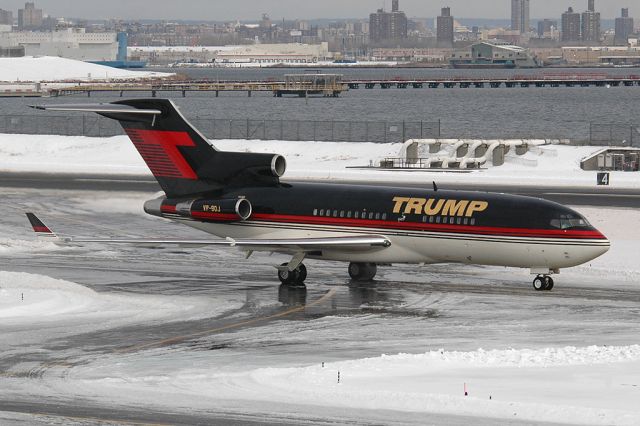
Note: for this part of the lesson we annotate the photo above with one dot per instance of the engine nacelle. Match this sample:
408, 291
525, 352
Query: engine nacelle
224, 209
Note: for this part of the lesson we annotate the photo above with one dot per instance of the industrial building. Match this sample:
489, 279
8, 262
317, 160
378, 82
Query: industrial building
445, 28
274, 54
385, 26
624, 28
72, 44
494, 54
520, 16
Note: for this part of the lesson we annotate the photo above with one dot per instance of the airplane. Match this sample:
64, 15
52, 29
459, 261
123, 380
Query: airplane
240, 197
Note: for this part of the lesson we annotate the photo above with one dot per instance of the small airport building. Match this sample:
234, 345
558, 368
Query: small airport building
273, 54
495, 52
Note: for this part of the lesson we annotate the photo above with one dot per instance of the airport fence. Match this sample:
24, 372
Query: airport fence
613, 134
216, 128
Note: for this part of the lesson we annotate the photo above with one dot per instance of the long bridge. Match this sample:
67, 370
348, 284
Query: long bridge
335, 88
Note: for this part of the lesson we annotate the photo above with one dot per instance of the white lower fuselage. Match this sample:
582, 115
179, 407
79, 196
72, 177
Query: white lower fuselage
424, 246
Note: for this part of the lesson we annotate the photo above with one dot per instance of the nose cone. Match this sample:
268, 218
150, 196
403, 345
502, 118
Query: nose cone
601, 245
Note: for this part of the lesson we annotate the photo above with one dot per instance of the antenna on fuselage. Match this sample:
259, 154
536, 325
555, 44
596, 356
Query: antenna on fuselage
435, 187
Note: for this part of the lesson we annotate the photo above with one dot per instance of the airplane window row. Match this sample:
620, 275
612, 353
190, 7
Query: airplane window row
349, 214
449, 220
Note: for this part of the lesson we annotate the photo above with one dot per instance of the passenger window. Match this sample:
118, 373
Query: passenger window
459, 220
452, 220
466, 220
322, 212
371, 216
384, 216
349, 214
341, 213
430, 219
356, 215
473, 221
315, 212
328, 213
335, 213
424, 219
438, 219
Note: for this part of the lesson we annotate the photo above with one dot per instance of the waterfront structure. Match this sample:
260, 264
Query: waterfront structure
29, 18
71, 43
570, 26
494, 54
590, 30
6, 17
384, 26
601, 55
624, 28
445, 28
273, 54
520, 16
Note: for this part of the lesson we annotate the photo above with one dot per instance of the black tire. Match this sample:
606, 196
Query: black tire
550, 284
285, 276
355, 270
539, 284
302, 273
362, 271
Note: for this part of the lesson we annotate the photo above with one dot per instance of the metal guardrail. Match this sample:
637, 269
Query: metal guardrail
613, 134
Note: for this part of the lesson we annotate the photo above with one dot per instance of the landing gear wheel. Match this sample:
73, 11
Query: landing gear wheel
539, 284
293, 278
362, 271
548, 283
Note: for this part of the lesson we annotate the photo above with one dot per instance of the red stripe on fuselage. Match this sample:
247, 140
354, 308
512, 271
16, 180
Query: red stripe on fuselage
410, 226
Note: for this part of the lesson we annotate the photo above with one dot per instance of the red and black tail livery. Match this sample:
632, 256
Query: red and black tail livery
41, 230
182, 160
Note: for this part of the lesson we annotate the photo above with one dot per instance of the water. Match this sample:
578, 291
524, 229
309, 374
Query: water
479, 113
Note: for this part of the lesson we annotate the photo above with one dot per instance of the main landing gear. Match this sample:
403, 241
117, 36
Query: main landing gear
293, 278
543, 283
362, 271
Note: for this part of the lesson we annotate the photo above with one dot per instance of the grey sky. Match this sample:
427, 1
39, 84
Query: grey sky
278, 9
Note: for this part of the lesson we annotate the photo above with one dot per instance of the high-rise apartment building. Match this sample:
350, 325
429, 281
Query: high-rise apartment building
29, 18
445, 29
570, 26
590, 29
546, 26
520, 15
388, 25
624, 28
6, 17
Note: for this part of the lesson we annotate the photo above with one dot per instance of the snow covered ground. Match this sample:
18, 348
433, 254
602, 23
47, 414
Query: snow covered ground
554, 165
578, 375
51, 69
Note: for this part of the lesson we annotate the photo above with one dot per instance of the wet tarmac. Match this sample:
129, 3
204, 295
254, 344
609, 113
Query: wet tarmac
406, 309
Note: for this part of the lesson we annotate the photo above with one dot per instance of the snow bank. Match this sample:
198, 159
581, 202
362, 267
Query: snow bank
36, 299
552, 166
49, 68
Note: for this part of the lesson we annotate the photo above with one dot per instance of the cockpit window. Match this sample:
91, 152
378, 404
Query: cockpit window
568, 221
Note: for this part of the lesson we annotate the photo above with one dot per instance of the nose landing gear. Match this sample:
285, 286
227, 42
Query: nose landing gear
543, 283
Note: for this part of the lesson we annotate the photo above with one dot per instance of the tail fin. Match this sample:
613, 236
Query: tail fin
181, 159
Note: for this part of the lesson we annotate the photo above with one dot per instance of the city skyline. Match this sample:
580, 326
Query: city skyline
290, 9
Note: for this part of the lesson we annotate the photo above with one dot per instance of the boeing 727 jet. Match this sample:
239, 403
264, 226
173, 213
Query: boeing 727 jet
242, 198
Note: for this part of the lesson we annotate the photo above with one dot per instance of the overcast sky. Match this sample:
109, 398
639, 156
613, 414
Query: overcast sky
221, 10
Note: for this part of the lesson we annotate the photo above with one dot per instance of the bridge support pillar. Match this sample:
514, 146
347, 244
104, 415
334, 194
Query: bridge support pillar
217, 93
435, 147
462, 150
88, 93
153, 93
249, 93
522, 149
498, 155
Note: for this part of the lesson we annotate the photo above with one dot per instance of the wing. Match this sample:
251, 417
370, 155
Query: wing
294, 245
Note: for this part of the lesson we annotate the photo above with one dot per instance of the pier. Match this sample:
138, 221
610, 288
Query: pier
332, 85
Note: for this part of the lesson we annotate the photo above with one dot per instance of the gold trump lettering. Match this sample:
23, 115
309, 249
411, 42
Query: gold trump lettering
432, 207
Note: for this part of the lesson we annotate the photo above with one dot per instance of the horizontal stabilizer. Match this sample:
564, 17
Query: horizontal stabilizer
98, 108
